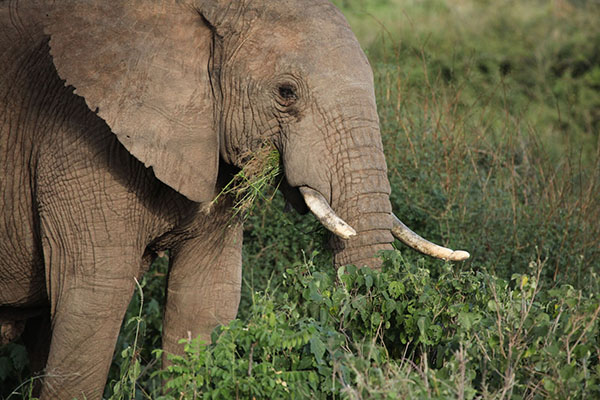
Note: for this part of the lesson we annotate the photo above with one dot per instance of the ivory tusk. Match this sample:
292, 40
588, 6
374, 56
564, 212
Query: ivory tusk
408, 237
326, 216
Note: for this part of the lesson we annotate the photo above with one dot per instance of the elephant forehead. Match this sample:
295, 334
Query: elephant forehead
316, 48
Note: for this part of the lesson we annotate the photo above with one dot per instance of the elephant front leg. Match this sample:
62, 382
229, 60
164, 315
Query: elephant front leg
90, 287
204, 285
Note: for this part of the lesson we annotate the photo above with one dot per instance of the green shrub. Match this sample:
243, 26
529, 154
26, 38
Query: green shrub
400, 333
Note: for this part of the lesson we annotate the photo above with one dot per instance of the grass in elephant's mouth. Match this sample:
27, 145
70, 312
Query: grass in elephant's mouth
252, 181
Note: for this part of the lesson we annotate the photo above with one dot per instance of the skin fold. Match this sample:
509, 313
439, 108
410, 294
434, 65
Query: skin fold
121, 121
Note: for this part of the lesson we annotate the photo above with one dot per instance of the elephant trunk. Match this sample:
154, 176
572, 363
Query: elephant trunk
360, 195
360, 215
342, 175
373, 234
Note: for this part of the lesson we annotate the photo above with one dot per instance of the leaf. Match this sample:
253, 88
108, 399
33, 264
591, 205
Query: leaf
553, 349
492, 305
422, 327
375, 319
395, 289
134, 372
549, 385
125, 352
317, 348
467, 319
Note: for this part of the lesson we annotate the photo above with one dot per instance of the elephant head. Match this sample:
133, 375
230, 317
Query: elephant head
186, 85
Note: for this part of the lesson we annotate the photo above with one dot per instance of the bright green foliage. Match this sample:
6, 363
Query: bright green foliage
274, 354
400, 333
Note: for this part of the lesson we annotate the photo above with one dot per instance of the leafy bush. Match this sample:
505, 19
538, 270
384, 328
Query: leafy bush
400, 333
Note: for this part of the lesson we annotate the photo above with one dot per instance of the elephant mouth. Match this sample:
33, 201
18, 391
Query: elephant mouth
318, 205
304, 199
293, 198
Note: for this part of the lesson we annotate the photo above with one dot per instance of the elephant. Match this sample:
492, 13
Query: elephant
120, 123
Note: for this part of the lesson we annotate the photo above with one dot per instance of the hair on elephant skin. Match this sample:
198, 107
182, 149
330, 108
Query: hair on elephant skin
120, 121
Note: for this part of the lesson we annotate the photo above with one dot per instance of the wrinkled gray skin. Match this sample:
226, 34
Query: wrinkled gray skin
187, 89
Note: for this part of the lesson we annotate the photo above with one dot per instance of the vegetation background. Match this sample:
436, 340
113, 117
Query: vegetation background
490, 116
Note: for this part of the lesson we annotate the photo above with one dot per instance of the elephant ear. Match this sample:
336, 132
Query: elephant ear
142, 66
228, 17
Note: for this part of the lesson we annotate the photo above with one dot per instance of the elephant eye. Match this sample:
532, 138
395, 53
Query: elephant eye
287, 94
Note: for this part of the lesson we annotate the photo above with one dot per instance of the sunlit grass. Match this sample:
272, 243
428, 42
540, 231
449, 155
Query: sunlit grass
536, 61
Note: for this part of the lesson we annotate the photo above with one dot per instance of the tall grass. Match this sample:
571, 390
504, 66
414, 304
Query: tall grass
537, 61
501, 195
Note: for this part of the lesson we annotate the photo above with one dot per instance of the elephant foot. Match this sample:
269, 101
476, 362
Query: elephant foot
10, 331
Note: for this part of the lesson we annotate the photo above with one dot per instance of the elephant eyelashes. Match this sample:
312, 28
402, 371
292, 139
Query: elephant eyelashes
287, 94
